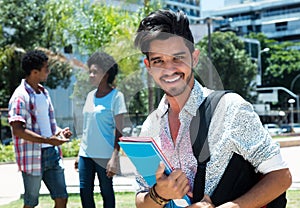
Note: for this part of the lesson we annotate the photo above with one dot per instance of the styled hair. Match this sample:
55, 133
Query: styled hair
106, 63
161, 25
33, 60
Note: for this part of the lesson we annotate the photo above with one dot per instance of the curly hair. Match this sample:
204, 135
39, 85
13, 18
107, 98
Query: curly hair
106, 63
33, 60
163, 24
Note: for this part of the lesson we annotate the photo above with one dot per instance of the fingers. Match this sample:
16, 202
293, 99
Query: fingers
76, 165
174, 186
160, 171
180, 183
206, 198
110, 170
62, 139
58, 140
65, 133
110, 174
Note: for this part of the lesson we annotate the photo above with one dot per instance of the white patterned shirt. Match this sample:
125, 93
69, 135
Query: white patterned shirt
235, 128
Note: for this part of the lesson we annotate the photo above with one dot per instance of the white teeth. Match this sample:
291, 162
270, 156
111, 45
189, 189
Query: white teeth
173, 80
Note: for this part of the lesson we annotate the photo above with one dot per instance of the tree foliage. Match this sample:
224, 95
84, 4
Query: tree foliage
281, 64
21, 22
232, 64
11, 74
23, 28
91, 27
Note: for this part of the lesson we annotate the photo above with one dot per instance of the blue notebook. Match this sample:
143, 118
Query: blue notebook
145, 154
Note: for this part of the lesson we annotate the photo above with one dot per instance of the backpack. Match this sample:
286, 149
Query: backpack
239, 176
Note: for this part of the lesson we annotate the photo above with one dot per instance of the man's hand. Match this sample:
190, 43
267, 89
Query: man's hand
204, 203
174, 186
57, 140
65, 132
113, 164
76, 164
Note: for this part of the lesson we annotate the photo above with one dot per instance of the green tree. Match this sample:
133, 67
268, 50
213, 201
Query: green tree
23, 28
90, 27
10, 74
281, 64
232, 64
98, 27
21, 22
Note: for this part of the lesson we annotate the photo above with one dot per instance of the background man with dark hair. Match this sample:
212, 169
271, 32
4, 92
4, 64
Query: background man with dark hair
36, 136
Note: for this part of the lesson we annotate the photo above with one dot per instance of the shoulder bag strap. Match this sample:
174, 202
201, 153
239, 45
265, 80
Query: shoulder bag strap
198, 133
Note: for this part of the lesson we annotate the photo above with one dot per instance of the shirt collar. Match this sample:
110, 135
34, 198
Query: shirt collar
29, 89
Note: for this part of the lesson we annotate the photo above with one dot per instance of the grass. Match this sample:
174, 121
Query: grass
293, 197
126, 200
123, 200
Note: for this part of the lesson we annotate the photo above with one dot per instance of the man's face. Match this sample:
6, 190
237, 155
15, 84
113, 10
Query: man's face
44, 72
170, 64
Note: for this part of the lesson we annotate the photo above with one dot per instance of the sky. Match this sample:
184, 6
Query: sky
212, 4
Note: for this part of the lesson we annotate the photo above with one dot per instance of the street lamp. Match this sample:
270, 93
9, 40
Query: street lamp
209, 22
259, 76
291, 102
293, 82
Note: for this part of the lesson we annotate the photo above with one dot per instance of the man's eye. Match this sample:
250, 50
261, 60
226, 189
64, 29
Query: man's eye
178, 58
157, 61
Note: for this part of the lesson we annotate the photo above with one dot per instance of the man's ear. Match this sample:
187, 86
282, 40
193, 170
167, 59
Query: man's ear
34, 71
147, 63
195, 57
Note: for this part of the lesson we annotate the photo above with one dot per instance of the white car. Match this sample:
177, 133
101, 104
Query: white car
296, 128
273, 129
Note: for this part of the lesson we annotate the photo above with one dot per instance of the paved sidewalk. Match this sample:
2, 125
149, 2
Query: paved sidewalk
11, 185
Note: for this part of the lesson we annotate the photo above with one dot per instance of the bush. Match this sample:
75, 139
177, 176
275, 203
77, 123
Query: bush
7, 153
69, 149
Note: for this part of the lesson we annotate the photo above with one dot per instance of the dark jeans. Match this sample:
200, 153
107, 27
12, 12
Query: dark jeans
88, 167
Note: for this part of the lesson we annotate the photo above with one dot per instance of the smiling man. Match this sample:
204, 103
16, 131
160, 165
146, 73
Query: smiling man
166, 40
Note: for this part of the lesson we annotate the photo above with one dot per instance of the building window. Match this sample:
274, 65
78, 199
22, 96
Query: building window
250, 28
281, 26
257, 28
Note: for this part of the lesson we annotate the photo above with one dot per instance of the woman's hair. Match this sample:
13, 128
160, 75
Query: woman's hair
161, 25
33, 60
106, 63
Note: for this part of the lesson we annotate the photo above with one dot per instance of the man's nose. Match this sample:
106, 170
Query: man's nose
169, 65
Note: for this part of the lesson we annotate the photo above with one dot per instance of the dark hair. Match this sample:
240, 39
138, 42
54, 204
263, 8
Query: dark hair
106, 63
33, 60
163, 24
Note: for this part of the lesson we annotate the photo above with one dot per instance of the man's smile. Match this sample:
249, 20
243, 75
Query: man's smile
173, 78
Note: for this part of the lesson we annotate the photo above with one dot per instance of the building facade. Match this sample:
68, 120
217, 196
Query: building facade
277, 19
191, 7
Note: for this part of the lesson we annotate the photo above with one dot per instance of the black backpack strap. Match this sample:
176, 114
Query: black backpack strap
198, 133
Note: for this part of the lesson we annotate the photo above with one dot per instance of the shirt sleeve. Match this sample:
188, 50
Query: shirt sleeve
251, 139
17, 110
119, 104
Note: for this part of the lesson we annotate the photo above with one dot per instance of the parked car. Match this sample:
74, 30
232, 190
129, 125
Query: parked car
273, 129
287, 128
296, 128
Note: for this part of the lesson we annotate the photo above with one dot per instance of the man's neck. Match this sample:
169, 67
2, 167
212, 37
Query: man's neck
177, 102
34, 84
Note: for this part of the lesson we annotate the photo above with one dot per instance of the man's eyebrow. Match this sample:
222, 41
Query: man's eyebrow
154, 58
179, 53
175, 54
